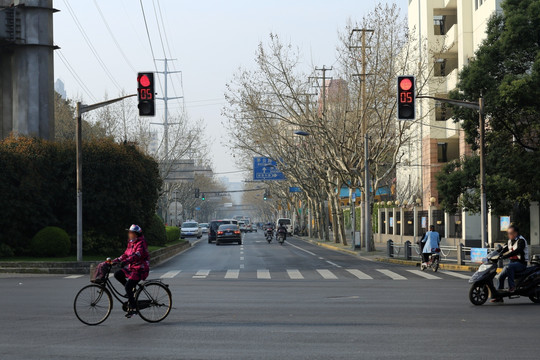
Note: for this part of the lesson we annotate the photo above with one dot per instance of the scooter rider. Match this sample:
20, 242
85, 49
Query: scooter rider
518, 253
431, 241
282, 230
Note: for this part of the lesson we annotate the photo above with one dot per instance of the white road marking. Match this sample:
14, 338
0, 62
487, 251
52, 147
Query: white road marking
334, 264
321, 258
170, 274
73, 276
241, 253
359, 274
241, 266
201, 274
327, 274
392, 275
295, 274
263, 274
241, 258
304, 250
456, 274
424, 274
232, 274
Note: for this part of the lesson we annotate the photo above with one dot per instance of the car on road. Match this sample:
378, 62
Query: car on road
190, 229
285, 222
228, 233
242, 225
204, 227
213, 228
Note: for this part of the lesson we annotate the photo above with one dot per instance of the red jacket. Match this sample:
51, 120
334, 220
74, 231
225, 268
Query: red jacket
137, 258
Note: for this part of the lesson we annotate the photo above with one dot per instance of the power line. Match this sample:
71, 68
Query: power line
150, 42
75, 75
91, 46
113, 37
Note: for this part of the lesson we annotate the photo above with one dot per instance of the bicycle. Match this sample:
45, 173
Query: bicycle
93, 303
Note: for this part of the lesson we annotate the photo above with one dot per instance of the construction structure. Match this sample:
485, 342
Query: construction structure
26, 68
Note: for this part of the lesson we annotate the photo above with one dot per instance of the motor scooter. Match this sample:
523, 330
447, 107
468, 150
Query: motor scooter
269, 235
482, 284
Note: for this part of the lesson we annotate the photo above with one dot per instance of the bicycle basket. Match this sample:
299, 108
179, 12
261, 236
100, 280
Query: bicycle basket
99, 275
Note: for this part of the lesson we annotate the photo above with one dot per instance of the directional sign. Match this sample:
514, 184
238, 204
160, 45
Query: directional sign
266, 169
295, 189
353, 196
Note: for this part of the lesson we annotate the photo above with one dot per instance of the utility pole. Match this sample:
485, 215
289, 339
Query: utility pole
166, 124
78, 149
366, 207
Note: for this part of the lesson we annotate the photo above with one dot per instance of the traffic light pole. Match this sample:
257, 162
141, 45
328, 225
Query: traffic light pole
479, 106
81, 109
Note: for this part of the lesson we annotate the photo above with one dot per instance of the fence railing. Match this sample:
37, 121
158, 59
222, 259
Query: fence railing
459, 254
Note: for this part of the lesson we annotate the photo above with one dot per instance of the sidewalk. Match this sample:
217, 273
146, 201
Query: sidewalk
380, 255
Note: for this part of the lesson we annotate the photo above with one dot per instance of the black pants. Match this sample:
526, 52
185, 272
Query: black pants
425, 257
129, 285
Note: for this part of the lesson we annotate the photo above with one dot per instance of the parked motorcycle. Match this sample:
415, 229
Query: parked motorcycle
527, 281
433, 262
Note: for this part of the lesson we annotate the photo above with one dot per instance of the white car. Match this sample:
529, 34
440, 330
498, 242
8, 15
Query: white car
204, 227
287, 223
190, 229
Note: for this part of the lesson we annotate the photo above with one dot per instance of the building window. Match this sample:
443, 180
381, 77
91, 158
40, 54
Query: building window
440, 67
438, 25
442, 156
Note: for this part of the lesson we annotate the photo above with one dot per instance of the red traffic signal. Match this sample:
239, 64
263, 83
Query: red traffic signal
406, 98
146, 94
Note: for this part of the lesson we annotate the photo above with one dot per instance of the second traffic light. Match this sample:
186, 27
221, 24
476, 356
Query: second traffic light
197, 193
203, 197
406, 98
146, 94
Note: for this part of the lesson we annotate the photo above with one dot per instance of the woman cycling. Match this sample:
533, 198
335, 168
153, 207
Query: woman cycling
135, 265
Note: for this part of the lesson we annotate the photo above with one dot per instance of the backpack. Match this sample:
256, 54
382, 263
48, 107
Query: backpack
99, 276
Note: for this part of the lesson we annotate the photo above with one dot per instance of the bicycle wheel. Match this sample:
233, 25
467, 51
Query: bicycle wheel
154, 302
93, 304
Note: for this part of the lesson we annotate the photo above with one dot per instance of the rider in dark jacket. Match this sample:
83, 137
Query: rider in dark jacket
282, 230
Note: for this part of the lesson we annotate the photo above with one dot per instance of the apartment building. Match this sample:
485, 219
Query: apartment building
452, 30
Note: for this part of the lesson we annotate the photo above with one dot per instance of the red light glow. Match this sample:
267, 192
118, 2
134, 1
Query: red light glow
144, 81
405, 84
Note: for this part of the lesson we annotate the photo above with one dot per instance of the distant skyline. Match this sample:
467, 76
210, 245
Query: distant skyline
209, 39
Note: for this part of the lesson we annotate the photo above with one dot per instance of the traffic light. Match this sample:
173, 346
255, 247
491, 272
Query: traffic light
146, 94
196, 193
406, 98
265, 194
203, 197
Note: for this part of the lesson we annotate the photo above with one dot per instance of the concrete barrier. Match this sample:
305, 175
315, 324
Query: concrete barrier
72, 267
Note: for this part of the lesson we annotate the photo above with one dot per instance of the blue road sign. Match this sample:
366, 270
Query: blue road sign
266, 169
198, 208
295, 189
353, 196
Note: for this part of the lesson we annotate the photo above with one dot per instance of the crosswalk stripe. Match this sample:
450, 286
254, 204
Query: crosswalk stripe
359, 274
170, 274
392, 275
295, 274
327, 274
73, 276
263, 274
232, 274
201, 274
456, 274
424, 274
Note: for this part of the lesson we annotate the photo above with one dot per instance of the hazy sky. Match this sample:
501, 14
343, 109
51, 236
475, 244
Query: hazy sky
210, 39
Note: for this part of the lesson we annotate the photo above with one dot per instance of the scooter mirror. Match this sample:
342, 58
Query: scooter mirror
499, 247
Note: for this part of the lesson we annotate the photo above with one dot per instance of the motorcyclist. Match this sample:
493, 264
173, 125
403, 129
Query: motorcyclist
518, 253
135, 263
431, 242
282, 230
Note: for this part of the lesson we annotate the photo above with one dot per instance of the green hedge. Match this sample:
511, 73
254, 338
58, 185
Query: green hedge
120, 187
173, 233
50, 241
155, 233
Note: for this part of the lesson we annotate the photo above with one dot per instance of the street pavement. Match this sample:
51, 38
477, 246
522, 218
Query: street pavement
267, 301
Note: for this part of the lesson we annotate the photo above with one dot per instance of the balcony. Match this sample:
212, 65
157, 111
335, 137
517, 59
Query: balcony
450, 4
452, 80
451, 39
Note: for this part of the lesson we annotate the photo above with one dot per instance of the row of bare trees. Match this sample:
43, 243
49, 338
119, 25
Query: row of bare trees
267, 105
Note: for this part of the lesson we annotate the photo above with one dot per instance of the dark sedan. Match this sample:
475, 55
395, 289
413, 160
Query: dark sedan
229, 233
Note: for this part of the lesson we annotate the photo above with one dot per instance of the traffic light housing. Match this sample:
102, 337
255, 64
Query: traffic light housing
203, 197
146, 94
406, 98
266, 194
196, 193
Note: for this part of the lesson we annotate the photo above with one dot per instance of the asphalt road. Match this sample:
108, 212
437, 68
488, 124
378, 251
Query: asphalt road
266, 301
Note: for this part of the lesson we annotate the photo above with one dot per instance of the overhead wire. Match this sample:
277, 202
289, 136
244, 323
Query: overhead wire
111, 33
75, 75
150, 43
91, 46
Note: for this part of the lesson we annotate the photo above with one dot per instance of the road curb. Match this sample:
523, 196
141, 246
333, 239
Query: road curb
442, 266
334, 248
